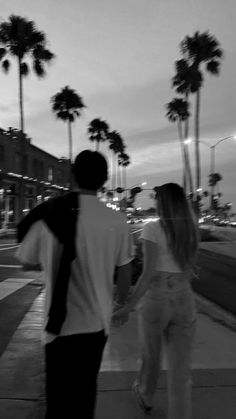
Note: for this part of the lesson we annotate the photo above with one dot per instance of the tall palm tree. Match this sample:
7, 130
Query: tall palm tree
201, 49
214, 179
186, 81
67, 106
124, 161
20, 39
177, 111
98, 131
116, 144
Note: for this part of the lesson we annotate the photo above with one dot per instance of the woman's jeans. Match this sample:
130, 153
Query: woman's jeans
168, 313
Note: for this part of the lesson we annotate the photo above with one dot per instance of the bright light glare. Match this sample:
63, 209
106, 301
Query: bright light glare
188, 141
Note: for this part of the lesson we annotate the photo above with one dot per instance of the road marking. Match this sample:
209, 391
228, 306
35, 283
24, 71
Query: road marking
136, 231
10, 285
8, 248
6, 244
11, 266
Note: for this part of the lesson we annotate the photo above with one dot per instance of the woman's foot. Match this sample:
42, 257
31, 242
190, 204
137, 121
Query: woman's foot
144, 406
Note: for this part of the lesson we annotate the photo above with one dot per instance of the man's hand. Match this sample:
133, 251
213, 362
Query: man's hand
120, 315
30, 267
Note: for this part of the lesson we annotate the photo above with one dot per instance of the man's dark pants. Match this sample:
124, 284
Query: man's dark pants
72, 366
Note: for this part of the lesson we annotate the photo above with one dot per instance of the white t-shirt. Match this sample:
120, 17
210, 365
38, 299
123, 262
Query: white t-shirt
154, 232
103, 241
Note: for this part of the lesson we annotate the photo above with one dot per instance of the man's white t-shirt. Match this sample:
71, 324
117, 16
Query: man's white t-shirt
103, 241
165, 261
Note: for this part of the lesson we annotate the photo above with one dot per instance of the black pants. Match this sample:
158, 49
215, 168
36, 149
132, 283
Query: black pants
72, 366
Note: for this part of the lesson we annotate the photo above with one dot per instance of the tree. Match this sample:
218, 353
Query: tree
116, 144
186, 81
98, 131
214, 179
67, 106
201, 48
124, 161
20, 39
177, 111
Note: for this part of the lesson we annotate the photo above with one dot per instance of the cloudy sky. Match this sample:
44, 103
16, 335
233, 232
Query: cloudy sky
119, 56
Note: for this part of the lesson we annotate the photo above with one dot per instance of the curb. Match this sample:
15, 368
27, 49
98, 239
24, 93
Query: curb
215, 312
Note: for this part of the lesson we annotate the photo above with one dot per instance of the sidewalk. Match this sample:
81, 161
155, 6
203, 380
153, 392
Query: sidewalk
214, 372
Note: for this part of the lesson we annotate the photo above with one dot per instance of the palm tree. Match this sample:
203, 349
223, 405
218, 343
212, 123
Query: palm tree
187, 80
214, 179
116, 144
20, 39
67, 106
124, 161
98, 131
177, 111
201, 48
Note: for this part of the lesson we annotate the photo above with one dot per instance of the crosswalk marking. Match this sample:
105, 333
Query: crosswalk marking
11, 266
10, 285
8, 248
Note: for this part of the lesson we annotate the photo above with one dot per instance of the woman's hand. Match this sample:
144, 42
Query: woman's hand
120, 315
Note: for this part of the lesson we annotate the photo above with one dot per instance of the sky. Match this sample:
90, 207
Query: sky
119, 57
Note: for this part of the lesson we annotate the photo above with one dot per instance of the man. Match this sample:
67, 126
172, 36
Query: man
102, 243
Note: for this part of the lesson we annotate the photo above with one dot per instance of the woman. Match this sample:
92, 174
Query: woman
167, 311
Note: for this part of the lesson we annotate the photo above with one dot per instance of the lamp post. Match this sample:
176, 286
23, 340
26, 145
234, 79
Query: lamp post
212, 160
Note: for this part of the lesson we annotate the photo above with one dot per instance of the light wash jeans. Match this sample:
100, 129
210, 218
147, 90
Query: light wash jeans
167, 312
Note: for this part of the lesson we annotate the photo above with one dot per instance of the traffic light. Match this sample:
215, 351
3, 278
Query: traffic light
119, 190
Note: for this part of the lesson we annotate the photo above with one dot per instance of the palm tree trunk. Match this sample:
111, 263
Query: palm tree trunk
182, 153
21, 185
197, 152
114, 170
188, 166
111, 167
70, 153
125, 181
97, 145
22, 128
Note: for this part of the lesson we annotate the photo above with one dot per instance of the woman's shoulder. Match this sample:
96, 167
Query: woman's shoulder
151, 230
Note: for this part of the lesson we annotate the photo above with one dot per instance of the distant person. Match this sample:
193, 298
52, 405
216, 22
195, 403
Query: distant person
167, 310
78, 242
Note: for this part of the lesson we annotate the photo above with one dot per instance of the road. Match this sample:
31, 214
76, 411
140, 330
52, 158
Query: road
18, 290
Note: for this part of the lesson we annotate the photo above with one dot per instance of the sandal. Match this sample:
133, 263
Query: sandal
145, 407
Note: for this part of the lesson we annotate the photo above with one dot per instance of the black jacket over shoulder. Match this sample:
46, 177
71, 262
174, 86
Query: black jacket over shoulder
60, 215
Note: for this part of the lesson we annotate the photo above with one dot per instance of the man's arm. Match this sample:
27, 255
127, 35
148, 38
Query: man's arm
149, 264
28, 253
31, 267
124, 276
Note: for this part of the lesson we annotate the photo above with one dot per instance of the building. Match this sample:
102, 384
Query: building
28, 176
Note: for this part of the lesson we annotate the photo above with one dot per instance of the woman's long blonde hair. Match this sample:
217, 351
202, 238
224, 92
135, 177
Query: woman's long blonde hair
178, 222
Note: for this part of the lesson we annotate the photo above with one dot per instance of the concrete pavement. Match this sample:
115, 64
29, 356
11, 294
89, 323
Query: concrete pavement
214, 372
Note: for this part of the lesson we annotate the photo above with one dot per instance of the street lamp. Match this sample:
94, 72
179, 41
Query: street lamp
212, 159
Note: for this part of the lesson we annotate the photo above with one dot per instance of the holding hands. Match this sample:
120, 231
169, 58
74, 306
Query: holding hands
120, 314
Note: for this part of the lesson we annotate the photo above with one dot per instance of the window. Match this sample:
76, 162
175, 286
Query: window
17, 162
1, 154
35, 168
50, 174
25, 164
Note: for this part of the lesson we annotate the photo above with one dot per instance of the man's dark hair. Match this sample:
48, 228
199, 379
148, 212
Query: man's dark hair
90, 170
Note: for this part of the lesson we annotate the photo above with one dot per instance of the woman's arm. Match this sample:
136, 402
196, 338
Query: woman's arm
149, 264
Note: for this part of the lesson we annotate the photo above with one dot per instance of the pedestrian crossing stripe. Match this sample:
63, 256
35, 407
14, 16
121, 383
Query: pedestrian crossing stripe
11, 285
